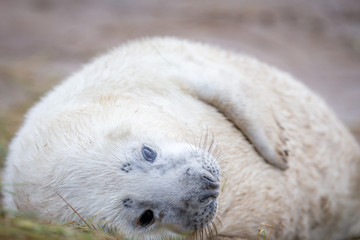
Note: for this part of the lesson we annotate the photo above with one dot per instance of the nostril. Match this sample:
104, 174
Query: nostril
210, 183
207, 178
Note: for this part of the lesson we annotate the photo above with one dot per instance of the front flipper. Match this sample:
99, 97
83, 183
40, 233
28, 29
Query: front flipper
238, 99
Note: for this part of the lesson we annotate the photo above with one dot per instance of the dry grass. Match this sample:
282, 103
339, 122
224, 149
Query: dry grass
28, 227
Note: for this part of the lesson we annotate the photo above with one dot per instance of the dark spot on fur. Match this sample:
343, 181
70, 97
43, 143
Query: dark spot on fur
286, 153
127, 203
126, 167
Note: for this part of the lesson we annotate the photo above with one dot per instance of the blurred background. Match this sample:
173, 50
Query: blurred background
43, 41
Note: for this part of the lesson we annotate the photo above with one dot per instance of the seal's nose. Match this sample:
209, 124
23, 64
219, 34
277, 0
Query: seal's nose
210, 183
211, 191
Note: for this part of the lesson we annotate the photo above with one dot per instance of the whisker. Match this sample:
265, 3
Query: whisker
201, 136
212, 142
210, 231
218, 221
195, 139
215, 228
217, 152
207, 233
193, 149
197, 235
206, 139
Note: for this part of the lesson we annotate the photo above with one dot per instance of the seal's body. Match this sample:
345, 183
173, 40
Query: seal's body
123, 142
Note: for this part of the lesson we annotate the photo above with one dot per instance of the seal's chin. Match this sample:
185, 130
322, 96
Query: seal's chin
177, 230
199, 221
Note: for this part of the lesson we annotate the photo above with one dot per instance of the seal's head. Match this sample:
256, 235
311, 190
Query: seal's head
172, 188
144, 189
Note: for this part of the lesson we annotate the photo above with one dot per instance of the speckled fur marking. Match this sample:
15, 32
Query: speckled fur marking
126, 167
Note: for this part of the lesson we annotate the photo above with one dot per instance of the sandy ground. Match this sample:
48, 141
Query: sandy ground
43, 41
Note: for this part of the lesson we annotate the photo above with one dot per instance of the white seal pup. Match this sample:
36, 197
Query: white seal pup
115, 142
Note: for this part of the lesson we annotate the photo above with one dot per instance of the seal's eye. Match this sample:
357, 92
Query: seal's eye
146, 219
148, 154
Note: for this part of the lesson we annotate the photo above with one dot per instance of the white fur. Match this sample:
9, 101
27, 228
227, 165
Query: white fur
161, 92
